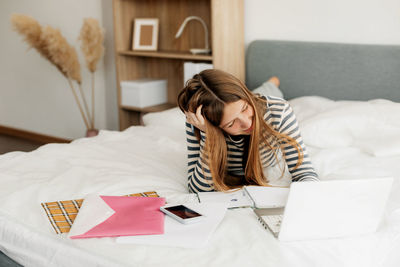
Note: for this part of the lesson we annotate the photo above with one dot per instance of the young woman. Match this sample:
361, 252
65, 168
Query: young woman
237, 138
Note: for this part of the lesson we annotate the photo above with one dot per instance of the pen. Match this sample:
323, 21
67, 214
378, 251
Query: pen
198, 197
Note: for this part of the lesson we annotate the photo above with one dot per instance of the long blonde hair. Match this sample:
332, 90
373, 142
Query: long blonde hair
214, 89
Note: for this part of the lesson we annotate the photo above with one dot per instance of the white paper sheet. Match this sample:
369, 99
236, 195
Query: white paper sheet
92, 212
176, 234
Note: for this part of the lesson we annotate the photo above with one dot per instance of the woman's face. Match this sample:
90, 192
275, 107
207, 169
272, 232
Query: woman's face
237, 118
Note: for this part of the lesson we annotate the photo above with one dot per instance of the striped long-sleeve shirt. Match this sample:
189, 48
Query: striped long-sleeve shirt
281, 117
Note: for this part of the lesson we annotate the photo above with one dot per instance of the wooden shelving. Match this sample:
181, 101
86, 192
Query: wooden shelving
167, 54
224, 19
150, 109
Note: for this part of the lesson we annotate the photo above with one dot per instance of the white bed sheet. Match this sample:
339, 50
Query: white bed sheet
154, 158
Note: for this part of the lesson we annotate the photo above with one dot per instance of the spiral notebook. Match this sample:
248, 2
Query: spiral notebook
249, 196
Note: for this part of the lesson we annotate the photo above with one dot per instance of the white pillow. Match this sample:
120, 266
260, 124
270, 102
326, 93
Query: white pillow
352, 123
171, 118
268, 89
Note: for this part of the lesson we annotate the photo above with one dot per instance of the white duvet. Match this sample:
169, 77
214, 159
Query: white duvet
346, 140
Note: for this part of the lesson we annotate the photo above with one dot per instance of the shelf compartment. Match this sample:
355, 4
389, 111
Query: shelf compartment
171, 14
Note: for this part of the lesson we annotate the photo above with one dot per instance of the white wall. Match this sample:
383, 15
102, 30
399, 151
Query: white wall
340, 21
35, 97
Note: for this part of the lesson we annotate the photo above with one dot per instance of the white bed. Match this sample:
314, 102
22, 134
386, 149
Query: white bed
346, 140
154, 158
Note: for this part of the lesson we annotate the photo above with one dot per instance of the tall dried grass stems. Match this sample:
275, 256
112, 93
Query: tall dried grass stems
50, 43
92, 38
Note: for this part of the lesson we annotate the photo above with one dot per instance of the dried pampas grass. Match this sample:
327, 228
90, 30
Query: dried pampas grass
92, 37
32, 31
50, 43
29, 27
62, 54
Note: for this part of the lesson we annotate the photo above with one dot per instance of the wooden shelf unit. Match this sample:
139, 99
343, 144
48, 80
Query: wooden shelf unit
224, 19
167, 54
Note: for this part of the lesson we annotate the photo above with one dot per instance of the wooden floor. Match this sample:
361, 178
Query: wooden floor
9, 144
7, 262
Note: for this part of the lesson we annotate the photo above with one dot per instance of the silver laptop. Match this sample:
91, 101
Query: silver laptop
328, 209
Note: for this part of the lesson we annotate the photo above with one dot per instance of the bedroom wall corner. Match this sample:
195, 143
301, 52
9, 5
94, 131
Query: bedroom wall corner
111, 103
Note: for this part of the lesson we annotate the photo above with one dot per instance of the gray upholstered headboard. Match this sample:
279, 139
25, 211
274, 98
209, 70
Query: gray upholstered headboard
336, 71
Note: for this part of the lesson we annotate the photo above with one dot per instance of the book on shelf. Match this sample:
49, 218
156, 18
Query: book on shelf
190, 69
249, 196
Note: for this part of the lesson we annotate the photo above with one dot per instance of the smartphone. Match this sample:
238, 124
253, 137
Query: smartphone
182, 214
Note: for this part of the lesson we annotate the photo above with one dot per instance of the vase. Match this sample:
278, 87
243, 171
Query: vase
92, 132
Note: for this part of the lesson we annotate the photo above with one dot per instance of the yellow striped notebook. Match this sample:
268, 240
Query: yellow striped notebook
62, 214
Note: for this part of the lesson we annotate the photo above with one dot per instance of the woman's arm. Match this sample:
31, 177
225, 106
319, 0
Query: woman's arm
199, 175
289, 126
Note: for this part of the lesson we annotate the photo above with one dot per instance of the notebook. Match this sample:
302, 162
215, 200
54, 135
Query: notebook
248, 196
328, 209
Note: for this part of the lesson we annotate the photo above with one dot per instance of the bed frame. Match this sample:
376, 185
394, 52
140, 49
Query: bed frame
332, 70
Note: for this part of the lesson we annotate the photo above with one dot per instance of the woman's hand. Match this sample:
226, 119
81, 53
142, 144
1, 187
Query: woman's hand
196, 119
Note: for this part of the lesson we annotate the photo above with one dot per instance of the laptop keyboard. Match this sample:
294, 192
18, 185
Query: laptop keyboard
273, 222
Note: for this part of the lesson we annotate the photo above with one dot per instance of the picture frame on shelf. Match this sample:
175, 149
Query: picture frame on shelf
145, 34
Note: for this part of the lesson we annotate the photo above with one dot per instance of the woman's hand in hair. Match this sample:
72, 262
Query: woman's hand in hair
196, 119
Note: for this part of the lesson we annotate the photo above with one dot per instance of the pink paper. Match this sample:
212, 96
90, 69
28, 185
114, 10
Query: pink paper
133, 216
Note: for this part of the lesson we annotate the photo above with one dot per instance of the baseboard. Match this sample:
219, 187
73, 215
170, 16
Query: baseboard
36, 137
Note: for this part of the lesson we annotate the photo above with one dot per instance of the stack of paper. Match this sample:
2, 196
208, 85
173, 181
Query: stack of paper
138, 220
193, 235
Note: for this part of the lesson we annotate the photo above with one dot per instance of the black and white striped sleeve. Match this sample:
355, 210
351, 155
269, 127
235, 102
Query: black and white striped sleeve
288, 125
199, 175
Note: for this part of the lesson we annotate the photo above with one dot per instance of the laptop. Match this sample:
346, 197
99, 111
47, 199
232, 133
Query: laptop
328, 209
